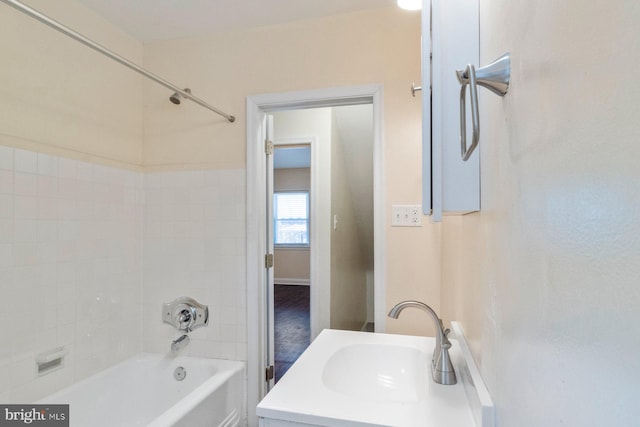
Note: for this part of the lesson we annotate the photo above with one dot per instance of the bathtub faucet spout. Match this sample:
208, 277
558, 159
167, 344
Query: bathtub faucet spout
179, 344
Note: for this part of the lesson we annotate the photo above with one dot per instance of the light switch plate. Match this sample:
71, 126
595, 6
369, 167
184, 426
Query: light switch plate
406, 215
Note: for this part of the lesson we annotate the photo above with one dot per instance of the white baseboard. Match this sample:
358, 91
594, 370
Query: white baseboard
288, 281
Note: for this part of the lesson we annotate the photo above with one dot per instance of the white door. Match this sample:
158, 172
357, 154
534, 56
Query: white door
270, 363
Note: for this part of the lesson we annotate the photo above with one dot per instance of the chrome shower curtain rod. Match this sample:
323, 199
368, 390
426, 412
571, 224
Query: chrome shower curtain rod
103, 50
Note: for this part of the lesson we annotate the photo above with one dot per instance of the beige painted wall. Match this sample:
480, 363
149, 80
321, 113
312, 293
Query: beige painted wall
291, 263
378, 46
545, 278
60, 97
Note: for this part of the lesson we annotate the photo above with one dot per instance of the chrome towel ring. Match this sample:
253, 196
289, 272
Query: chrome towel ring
494, 77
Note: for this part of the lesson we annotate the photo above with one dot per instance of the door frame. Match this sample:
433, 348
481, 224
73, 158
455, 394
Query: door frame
257, 107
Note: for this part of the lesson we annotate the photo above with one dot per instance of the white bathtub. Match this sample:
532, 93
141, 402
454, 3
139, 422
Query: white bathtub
142, 391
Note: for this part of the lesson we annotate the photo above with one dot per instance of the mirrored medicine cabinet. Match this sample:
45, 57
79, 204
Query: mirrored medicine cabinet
450, 41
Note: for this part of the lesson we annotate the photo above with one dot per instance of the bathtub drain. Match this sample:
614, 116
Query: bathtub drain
179, 373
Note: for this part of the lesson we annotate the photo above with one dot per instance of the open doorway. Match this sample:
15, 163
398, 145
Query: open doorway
342, 142
258, 294
292, 272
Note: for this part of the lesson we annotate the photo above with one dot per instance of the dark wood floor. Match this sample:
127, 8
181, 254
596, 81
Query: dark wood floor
292, 332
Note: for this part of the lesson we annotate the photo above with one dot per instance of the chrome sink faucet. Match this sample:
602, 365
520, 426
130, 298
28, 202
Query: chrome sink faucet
441, 366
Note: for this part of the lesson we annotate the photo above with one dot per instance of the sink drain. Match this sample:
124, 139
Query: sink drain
179, 373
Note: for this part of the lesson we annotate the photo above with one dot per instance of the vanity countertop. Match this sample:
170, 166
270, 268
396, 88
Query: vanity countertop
320, 389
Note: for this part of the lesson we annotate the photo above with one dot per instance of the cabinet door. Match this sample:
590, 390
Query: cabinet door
450, 41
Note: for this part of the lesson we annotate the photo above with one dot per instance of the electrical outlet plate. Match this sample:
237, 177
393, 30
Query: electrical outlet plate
406, 216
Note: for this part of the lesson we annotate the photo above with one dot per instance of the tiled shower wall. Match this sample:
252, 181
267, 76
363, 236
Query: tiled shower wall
73, 273
194, 245
70, 268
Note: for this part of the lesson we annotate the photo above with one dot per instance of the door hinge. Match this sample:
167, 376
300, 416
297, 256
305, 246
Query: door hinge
269, 373
268, 147
268, 261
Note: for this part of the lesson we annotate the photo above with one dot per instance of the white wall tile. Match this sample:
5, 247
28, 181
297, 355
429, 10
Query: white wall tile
25, 207
47, 208
6, 256
6, 157
67, 168
6, 206
47, 231
101, 174
25, 161
85, 171
24, 230
67, 188
72, 237
6, 376
47, 165
186, 249
65, 333
6, 231
46, 186
65, 241
47, 255
6, 182
25, 253
24, 184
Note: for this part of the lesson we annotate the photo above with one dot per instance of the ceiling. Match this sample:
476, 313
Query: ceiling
154, 20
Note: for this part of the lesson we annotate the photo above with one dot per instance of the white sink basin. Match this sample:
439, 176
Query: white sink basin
378, 372
357, 379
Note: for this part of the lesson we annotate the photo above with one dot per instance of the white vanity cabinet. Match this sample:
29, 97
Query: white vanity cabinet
450, 41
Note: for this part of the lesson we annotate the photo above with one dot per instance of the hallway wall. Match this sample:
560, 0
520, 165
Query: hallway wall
348, 263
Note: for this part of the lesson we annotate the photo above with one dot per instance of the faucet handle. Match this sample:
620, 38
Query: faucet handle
185, 314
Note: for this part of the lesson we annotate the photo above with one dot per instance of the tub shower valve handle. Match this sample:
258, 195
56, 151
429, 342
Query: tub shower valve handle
183, 319
185, 314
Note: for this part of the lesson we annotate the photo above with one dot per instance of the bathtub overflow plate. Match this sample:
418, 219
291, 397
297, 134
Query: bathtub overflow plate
179, 373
